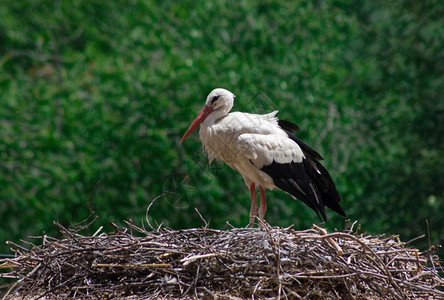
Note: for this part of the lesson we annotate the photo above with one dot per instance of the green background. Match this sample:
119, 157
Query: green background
95, 96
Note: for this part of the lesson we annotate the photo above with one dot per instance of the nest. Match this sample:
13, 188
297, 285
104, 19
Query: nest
238, 263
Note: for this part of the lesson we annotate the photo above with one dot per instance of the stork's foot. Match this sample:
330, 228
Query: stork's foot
251, 223
263, 224
252, 220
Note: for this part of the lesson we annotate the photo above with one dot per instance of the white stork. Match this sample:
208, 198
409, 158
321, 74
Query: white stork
265, 152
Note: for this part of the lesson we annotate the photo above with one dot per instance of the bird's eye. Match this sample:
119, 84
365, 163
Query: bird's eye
214, 99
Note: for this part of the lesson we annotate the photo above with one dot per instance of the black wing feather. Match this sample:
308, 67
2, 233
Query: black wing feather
292, 178
288, 127
308, 180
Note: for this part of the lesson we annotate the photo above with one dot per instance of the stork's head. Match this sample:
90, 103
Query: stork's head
219, 102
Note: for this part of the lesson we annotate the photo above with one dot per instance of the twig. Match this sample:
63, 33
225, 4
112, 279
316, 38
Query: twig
330, 240
148, 210
132, 266
187, 260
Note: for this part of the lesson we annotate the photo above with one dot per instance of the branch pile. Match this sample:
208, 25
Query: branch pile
227, 264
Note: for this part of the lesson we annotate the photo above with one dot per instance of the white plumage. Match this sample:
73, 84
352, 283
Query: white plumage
265, 152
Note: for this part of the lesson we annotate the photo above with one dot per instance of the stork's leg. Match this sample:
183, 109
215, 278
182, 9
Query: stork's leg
263, 206
253, 208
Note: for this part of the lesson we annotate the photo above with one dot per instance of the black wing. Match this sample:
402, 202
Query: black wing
308, 180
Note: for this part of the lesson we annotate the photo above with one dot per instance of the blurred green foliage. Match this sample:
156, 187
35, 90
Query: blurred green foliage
95, 96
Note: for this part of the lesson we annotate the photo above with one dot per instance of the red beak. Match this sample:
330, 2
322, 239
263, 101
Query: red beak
201, 116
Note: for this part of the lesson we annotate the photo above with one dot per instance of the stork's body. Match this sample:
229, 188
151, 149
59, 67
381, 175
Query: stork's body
265, 152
